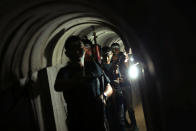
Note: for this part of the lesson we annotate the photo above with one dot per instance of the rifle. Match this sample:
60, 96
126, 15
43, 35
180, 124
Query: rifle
97, 61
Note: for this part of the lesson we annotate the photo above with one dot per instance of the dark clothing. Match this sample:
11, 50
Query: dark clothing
85, 112
108, 69
115, 108
93, 70
110, 72
101, 80
127, 94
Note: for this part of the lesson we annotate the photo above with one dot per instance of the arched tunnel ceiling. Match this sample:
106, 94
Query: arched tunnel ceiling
103, 33
105, 36
38, 38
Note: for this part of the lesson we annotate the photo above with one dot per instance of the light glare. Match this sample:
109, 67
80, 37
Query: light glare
133, 72
131, 59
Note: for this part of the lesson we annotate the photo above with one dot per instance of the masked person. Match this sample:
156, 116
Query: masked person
120, 62
115, 108
83, 97
93, 68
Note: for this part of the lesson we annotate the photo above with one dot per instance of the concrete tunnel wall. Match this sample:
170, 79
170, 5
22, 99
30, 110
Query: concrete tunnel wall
164, 42
34, 53
30, 52
28, 56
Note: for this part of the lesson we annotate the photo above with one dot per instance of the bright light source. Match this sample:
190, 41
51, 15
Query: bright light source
131, 59
133, 71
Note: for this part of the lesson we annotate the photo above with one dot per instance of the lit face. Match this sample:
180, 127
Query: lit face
116, 50
126, 57
109, 57
88, 52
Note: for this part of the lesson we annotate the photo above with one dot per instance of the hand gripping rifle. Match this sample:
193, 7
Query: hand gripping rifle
97, 50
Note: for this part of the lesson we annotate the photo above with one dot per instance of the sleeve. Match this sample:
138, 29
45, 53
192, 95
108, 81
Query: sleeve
59, 75
106, 78
62, 75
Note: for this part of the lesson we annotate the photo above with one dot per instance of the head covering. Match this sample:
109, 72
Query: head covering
87, 43
106, 50
115, 45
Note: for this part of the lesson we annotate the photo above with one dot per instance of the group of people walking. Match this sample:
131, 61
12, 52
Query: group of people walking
95, 85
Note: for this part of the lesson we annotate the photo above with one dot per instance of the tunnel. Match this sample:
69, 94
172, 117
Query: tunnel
33, 34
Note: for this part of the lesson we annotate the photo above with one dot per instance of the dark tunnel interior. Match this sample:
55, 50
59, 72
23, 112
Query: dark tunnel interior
161, 34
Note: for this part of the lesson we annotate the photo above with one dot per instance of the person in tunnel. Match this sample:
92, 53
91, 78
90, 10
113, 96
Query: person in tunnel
126, 88
115, 108
120, 63
81, 90
93, 68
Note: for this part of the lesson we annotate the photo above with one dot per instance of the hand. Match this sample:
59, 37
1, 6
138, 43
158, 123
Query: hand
102, 99
121, 80
117, 69
117, 81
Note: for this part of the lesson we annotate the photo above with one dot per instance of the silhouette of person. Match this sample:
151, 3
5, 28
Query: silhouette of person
82, 95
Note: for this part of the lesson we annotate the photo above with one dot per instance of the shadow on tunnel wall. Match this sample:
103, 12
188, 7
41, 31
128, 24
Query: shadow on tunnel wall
15, 108
40, 97
166, 30
51, 45
27, 107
